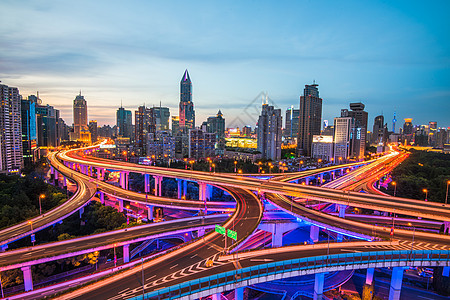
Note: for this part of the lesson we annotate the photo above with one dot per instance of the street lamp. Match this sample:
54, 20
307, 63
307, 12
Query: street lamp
214, 167
235, 163
41, 196
446, 194
300, 165
426, 194
395, 187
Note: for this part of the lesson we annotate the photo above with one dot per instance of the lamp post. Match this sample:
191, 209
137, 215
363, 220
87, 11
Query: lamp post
235, 163
214, 168
143, 282
300, 165
414, 233
41, 196
446, 194
395, 187
32, 235
426, 194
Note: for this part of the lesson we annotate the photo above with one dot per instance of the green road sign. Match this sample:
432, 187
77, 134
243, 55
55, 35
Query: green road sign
220, 229
232, 234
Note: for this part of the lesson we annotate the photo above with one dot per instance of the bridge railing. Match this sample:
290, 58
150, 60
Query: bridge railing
315, 264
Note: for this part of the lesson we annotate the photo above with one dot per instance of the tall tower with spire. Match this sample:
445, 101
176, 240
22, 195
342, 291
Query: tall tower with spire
79, 115
187, 112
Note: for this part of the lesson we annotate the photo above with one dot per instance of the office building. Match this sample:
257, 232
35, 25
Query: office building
187, 112
29, 142
291, 125
11, 155
310, 115
359, 129
269, 132
322, 147
175, 125
144, 124
124, 123
380, 132
80, 119
216, 125
47, 126
201, 144
93, 130
342, 131
161, 116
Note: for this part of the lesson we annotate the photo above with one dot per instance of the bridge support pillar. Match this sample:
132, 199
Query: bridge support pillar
123, 180
100, 173
307, 180
147, 183
202, 194
64, 182
158, 185
318, 286
277, 230
341, 172
201, 232
320, 179
340, 237
396, 283
369, 276
314, 234
332, 175
341, 209
81, 211
239, 293
216, 296
102, 197
179, 187
185, 188
446, 227
126, 253
446, 271
27, 278
120, 204
150, 212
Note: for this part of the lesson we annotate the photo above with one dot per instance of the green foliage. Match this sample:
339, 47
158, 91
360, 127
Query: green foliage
422, 170
19, 198
65, 236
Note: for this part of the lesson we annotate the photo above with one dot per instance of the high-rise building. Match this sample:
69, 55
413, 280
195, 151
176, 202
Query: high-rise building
47, 126
80, 119
359, 129
105, 131
11, 155
342, 131
310, 116
291, 127
201, 144
144, 124
161, 115
187, 112
124, 122
408, 133
269, 132
216, 125
175, 125
161, 144
322, 147
246, 131
93, 130
380, 133
29, 143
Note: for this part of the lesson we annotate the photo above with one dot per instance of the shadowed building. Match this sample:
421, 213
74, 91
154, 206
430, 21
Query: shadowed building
310, 116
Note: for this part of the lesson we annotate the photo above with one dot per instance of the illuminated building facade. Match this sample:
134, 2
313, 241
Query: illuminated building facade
342, 130
80, 119
29, 143
322, 147
269, 132
11, 155
187, 112
310, 118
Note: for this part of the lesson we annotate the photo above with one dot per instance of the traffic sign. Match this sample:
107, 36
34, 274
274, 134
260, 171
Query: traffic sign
232, 234
220, 229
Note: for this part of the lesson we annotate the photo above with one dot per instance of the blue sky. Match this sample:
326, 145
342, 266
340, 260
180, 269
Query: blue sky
390, 56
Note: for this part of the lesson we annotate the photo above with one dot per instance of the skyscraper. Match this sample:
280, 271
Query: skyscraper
11, 155
47, 126
269, 132
359, 129
144, 124
379, 134
342, 130
28, 115
216, 125
161, 116
124, 122
80, 120
291, 127
310, 116
93, 130
187, 112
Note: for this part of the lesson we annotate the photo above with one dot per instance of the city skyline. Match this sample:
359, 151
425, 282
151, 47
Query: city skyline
392, 57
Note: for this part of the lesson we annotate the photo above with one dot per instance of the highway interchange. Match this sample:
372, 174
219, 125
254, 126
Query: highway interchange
248, 211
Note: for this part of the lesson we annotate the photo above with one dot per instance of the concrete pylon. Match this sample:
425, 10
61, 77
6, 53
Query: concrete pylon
318, 286
102, 197
369, 275
120, 204
179, 188
147, 183
158, 185
277, 230
216, 296
239, 293
150, 212
314, 233
126, 253
396, 283
341, 208
27, 278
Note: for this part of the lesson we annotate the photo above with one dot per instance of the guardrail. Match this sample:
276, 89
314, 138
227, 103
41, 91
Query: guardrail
297, 267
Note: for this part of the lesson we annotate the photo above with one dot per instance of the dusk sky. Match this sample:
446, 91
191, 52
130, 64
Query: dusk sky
390, 55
